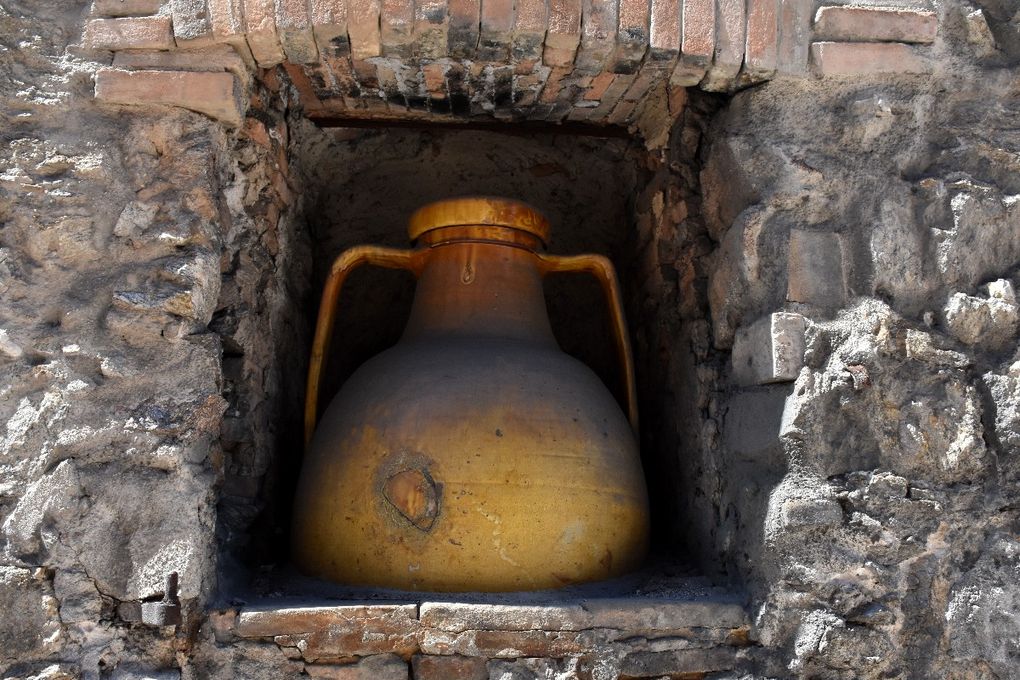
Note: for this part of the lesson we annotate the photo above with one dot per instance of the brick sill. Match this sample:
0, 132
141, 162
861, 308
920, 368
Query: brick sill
682, 626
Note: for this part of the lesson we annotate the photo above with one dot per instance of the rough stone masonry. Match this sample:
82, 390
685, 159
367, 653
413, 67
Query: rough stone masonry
829, 297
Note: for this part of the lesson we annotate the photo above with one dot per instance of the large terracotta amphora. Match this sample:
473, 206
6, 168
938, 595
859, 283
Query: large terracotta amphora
474, 455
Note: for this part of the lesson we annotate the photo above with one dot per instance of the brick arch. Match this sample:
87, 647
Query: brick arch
603, 62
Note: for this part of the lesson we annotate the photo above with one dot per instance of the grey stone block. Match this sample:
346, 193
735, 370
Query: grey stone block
815, 268
770, 350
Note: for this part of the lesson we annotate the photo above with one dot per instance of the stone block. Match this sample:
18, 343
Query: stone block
261, 33
761, 51
29, 614
136, 33
534, 669
126, 8
990, 322
672, 663
865, 24
769, 350
753, 421
862, 58
214, 94
653, 614
815, 268
294, 26
379, 667
449, 668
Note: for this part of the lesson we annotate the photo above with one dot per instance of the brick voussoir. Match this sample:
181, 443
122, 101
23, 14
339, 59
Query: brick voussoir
261, 32
294, 25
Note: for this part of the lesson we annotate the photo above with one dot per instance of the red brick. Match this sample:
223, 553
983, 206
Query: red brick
363, 28
142, 33
462, 37
599, 85
191, 23
294, 27
698, 38
760, 52
381, 667
226, 18
730, 36
260, 30
395, 27
503, 644
564, 34
530, 24
214, 94
632, 29
527, 88
608, 99
215, 58
847, 58
664, 33
496, 30
435, 80
449, 668
794, 36
861, 24
329, 27
697, 42
598, 35
126, 8
429, 34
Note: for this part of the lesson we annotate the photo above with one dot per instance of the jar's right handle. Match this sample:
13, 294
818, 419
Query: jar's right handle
390, 258
603, 270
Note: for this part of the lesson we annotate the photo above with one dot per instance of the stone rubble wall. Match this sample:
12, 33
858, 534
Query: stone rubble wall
864, 453
857, 231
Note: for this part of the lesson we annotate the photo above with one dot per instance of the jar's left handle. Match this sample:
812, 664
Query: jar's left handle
348, 261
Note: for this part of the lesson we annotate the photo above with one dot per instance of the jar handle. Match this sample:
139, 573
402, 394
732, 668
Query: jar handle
603, 270
348, 261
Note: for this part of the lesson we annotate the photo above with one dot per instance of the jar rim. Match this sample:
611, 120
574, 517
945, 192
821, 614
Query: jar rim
480, 211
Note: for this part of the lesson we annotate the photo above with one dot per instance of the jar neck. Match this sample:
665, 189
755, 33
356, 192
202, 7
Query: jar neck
480, 289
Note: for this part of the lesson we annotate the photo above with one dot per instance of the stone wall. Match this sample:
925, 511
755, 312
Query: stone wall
823, 302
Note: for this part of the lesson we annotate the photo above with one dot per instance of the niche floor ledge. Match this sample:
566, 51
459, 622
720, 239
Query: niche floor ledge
689, 627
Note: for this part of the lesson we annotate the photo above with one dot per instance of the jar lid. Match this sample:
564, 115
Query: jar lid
479, 211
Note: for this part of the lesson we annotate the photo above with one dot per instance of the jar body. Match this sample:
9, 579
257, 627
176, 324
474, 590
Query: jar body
472, 457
